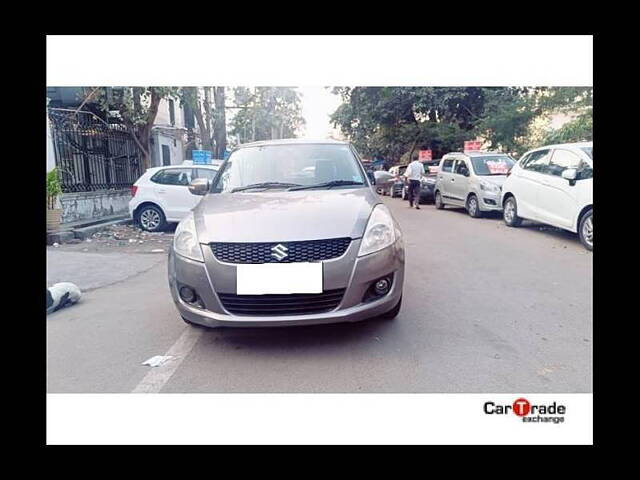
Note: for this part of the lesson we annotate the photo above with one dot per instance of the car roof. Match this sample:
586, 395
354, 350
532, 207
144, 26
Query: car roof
181, 165
292, 141
574, 145
571, 146
475, 154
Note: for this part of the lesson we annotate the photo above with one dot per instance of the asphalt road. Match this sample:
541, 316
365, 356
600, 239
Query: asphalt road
486, 309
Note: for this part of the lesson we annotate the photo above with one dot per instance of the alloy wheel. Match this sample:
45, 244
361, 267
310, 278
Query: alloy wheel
587, 231
473, 206
509, 211
149, 219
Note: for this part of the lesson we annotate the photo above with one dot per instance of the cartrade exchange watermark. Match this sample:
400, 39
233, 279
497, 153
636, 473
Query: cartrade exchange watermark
529, 412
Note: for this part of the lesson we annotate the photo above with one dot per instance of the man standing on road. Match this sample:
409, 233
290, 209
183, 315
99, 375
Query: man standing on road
414, 173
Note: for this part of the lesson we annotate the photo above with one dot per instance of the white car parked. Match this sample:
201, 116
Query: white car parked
553, 185
161, 195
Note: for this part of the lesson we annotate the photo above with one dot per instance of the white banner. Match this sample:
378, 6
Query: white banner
320, 419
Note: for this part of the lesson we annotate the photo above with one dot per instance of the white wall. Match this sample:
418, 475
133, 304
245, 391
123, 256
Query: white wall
176, 151
163, 117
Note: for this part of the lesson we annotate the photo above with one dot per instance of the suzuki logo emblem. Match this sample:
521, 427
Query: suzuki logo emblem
279, 252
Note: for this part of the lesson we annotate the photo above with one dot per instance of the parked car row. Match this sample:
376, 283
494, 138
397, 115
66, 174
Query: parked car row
551, 185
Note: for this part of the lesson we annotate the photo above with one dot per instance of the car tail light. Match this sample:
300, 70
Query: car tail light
134, 189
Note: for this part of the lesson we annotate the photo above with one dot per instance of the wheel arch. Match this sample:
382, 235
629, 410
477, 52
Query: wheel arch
582, 214
145, 204
506, 196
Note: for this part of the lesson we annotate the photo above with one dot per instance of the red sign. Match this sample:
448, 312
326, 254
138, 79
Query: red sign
472, 145
424, 155
497, 168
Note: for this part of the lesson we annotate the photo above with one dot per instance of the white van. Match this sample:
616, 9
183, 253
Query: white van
553, 185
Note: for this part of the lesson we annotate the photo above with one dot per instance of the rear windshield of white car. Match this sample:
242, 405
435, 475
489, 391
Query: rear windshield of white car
289, 165
492, 164
588, 151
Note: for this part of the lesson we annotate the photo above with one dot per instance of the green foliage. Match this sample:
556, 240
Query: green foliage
393, 121
266, 113
578, 130
53, 187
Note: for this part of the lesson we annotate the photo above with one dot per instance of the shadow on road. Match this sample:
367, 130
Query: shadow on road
285, 338
557, 233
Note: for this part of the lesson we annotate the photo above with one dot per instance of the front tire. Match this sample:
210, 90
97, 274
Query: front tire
510, 213
473, 207
151, 218
585, 230
438, 201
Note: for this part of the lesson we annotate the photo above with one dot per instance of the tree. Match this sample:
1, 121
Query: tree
211, 121
396, 121
137, 109
266, 113
219, 122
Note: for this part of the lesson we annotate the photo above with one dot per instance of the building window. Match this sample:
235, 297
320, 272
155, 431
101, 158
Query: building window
166, 155
172, 113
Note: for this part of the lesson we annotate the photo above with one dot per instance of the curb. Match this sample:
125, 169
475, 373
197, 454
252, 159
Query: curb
82, 233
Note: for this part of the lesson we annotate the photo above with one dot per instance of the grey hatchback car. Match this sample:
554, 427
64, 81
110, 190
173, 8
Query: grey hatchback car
289, 232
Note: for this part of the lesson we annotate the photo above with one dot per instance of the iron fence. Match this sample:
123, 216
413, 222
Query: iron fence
91, 154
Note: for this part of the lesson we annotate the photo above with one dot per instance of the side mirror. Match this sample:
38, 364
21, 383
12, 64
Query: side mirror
371, 176
570, 174
199, 186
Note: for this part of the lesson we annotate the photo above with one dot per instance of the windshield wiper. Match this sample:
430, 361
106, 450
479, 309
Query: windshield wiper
265, 185
332, 183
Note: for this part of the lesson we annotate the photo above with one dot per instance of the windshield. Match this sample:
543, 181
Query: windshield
285, 166
492, 164
588, 151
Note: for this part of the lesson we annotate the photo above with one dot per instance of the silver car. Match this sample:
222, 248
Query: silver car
271, 245
472, 180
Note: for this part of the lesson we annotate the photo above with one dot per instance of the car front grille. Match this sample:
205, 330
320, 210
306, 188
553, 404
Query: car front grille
306, 251
288, 304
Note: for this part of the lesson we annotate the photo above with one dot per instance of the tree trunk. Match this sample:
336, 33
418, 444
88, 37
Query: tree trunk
413, 148
219, 122
143, 134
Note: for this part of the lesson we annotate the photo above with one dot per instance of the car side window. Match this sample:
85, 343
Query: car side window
561, 160
537, 161
173, 176
461, 167
447, 165
205, 173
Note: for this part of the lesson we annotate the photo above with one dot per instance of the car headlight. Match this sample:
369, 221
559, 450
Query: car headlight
185, 240
489, 187
380, 231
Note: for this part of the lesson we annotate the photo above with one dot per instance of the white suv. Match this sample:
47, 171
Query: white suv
553, 185
162, 195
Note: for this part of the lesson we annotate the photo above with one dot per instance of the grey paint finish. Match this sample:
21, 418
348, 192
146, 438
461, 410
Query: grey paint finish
276, 216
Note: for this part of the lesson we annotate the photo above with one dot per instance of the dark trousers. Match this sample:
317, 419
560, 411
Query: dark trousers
414, 192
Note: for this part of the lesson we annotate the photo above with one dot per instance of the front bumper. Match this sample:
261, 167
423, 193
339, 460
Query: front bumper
490, 201
350, 272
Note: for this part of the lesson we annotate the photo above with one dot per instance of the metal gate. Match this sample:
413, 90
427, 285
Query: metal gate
91, 154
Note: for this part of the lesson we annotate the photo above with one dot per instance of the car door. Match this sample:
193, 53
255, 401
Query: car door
459, 183
530, 178
557, 197
171, 188
444, 178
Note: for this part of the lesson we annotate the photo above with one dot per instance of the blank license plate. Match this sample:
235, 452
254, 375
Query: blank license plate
278, 278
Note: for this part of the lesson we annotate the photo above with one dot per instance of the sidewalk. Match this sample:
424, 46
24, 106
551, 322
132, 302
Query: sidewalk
94, 270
